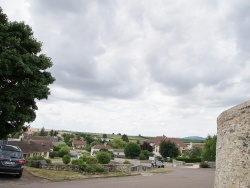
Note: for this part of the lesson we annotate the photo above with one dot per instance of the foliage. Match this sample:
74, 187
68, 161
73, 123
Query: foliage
145, 154
118, 143
146, 146
126, 161
85, 160
168, 149
53, 154
132, 150
68, 138
93, 168
42, 132
88, 164
59, 146
64, 151
209, 150
188, 160
195, 152
38, 158
191, 140
125, 138
89, 139
103, 157
203, 165
23, 76
104, 136
94, 143
53, 133
66, 159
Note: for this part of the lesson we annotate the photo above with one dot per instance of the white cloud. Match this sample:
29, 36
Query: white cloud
140, 67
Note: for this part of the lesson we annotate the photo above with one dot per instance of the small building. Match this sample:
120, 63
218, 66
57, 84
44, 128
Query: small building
32, 148
78, 144
155, 143
98, 147
119, 153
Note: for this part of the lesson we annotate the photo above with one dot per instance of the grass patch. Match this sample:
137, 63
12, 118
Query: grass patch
160, 170
70, 175
53, 174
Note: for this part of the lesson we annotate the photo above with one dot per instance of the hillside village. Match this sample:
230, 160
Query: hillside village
34, 145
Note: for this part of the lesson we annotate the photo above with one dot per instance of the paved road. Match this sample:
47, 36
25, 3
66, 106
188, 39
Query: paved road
179, 178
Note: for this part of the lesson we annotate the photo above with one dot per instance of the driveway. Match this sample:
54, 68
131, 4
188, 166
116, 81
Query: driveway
178, 178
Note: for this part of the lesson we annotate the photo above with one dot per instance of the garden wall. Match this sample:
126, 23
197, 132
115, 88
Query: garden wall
233, 148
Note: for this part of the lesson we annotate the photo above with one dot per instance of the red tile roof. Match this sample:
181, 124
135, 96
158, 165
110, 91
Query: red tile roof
32, 147
102, 146
157, 140
78, 142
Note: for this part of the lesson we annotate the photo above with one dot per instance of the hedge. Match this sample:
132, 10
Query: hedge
188, 160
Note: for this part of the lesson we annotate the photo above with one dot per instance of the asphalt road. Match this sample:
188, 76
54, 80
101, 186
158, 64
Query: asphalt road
178, 178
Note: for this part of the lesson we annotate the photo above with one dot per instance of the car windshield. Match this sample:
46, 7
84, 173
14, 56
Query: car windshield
10, 154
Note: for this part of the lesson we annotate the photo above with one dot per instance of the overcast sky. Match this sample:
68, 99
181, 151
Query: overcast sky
148, 67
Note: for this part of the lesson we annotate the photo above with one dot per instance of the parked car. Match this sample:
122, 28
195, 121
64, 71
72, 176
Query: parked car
159, 164
11, 160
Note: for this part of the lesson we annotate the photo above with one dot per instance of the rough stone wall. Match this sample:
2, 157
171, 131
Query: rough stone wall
233, 148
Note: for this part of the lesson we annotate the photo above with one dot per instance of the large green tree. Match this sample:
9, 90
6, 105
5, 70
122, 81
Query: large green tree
209, 151
125, 138
23, 75
168, 149
117, 142
132, 150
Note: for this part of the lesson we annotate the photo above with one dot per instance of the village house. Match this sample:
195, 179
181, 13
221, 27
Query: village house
98, 147
155, 143
33, 148
78, 144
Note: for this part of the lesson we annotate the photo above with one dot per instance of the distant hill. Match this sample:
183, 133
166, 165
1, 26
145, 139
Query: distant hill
194, 138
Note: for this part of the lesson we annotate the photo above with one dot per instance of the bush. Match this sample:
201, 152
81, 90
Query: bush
126, 162
48, 161
53, 154
188, 160
103, 157
35, 158
93, 168
66, 159
203, 165
63, 151
132, 150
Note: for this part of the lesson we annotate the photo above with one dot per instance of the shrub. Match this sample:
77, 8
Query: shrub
93, 168
63, 151
203, 165
48, 161
66, 159
103, 157
132, 150
188, 160
126, 162
35, 158
53, 154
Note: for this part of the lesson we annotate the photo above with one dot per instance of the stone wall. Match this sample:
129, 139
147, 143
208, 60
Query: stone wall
233, 148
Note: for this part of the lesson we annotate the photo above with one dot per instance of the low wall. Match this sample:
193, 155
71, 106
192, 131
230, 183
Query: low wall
119, 167
75, 168
178, 163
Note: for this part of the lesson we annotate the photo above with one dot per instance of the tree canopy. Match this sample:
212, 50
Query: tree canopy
132, 150
118, 143
125, 138
23, 75
168, 149
209, 151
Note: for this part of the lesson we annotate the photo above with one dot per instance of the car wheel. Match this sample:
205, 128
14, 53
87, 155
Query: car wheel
19, 175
